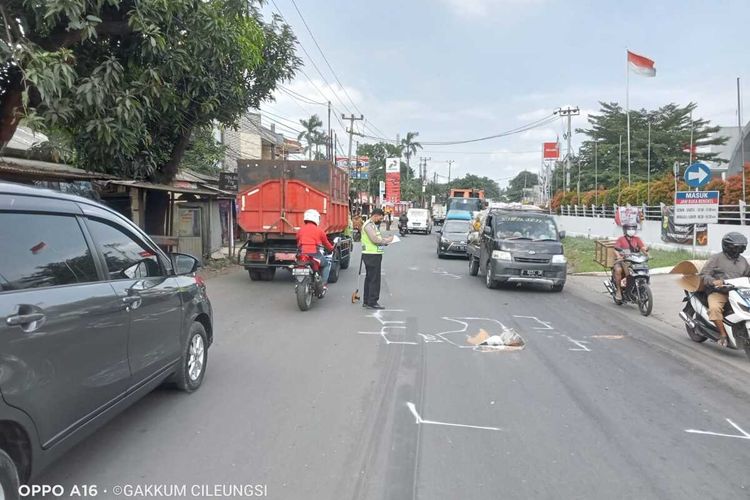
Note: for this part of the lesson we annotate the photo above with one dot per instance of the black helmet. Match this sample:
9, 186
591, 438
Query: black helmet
733, 244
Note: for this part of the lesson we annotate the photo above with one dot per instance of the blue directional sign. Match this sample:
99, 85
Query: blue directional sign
697, 175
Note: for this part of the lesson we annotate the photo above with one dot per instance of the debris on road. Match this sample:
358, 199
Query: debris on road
509, 340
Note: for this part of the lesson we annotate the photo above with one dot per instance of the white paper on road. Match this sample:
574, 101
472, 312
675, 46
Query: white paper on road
396, 239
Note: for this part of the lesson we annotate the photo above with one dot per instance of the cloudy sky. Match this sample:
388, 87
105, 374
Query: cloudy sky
462, 69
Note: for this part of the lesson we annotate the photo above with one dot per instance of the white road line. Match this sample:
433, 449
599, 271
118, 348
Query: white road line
579, 343
545, 325
420, 420
744, 434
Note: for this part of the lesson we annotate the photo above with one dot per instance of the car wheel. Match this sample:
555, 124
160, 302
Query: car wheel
489, 277
194, 359
473, 266
9, 483
268, 274
255, 274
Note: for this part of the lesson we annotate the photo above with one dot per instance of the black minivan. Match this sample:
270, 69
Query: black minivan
519, 246
93, 316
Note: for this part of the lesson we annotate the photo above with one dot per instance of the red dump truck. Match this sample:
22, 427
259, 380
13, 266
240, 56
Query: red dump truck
272, 198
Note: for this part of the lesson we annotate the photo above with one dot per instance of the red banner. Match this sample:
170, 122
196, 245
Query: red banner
393, 187
551, 151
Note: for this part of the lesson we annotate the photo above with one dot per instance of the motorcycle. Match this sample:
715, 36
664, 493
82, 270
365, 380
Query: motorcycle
736, 319
402, 229
635, 286
306, 271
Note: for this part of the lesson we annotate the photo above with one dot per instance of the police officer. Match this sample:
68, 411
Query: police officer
372, 256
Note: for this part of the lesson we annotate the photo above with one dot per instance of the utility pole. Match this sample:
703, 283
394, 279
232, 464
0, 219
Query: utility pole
569, 112
351, 133
450, 164
423, 177
330, 140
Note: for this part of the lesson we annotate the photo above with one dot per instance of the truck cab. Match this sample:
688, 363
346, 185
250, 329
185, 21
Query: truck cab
519, 246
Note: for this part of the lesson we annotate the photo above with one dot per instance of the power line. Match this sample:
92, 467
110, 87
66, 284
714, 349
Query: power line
296, 95
539, 123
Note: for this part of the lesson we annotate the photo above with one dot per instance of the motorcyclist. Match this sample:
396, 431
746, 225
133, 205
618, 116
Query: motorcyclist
728, 264
310, 239
403, 220
628, 242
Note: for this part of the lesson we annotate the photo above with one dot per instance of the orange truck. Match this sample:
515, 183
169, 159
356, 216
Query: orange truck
271, 201
467, 193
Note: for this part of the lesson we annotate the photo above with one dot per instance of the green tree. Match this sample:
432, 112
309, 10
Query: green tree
377, 153
490, 187
311, 134
204, 153
516, 186
409, 147
671, 127
130, 81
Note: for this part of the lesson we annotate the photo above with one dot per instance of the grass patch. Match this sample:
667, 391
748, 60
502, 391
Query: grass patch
580, 254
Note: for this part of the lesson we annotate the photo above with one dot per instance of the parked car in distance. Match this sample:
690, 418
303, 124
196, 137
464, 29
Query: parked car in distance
452, 238
93, 316
519, 246
438, 213
419, 221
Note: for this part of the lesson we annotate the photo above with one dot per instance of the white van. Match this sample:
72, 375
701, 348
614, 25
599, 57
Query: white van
419, 220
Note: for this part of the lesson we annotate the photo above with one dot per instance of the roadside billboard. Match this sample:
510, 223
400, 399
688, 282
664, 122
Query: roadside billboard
551, 150
393, 180
360, 166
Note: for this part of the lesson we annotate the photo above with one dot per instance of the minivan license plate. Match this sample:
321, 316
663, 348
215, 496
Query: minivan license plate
532, 273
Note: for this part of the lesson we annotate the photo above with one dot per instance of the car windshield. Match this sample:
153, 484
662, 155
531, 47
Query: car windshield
525, 227
456, 226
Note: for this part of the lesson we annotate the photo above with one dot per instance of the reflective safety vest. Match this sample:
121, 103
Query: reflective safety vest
368, 246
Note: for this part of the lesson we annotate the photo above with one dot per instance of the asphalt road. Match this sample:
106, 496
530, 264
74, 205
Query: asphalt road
324, 404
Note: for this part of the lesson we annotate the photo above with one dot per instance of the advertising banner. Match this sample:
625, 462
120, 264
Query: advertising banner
680, 233
628, 215
393, 180
360, 166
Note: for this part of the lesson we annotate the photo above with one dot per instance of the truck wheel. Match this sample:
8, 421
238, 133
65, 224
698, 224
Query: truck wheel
489, 277
9, 483
345, 261
473, 266
333, 276
268, 274
255, 274
558, 288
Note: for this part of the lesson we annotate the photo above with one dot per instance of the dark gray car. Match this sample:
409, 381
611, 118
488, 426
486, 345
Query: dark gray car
452, 238
93, 316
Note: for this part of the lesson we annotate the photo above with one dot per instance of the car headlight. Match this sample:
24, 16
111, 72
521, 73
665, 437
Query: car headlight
501, 255
559, 259
444, 241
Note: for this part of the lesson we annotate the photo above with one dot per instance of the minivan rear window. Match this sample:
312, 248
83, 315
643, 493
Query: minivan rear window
39, 250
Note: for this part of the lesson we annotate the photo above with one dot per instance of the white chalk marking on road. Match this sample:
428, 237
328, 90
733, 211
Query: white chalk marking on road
413, 268
743, 434
428, 338
420, 420
545, 325
442, 272
465, 328
579, 343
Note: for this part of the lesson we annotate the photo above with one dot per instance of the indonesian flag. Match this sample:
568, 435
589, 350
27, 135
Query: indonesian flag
641, 65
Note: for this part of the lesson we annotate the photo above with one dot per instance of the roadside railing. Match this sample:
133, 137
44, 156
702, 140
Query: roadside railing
728, 214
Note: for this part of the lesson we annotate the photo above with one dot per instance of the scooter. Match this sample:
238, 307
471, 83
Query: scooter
635, 286
736, 315
402, 229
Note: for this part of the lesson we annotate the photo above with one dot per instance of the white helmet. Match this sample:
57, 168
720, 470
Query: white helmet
312, 215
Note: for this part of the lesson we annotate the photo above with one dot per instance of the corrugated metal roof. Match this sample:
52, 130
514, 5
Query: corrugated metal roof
172, 189
35, 169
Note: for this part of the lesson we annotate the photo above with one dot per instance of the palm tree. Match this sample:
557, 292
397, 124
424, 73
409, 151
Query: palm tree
319, 139
410, 147
310, 132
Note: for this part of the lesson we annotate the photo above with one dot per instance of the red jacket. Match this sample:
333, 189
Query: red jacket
310, 237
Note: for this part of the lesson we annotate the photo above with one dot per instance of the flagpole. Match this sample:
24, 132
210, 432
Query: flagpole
648, 166
627, 107
742, 143
619, 174
596, 172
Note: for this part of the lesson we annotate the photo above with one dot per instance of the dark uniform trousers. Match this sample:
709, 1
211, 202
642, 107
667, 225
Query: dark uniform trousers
372, 277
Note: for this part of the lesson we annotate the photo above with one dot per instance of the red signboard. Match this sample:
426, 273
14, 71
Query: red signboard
551, 151
393, 187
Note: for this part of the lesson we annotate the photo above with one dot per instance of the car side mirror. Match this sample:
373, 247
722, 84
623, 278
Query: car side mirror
487, 231
184, 264
561, 234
